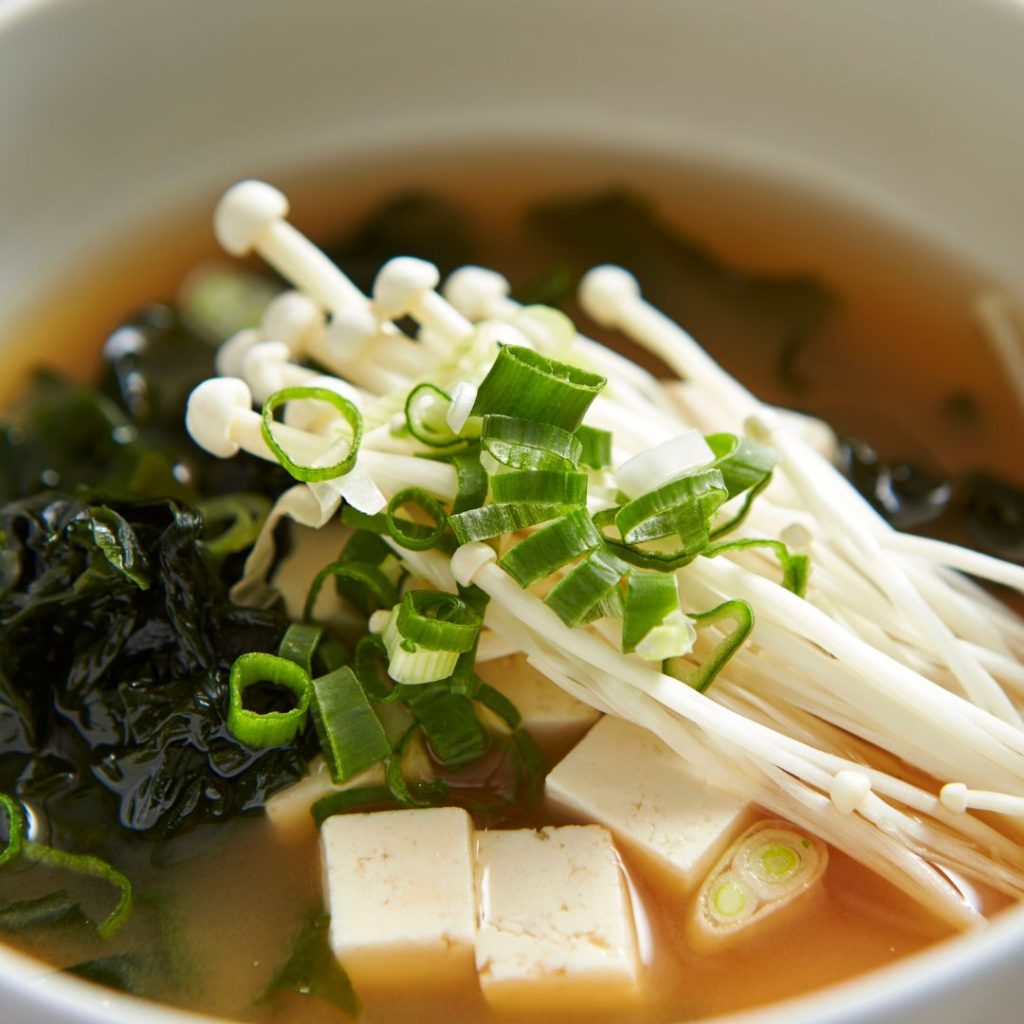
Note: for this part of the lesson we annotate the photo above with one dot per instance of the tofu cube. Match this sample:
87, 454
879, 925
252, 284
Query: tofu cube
556, 923
289, 810
401, 893
553, 717
669, 816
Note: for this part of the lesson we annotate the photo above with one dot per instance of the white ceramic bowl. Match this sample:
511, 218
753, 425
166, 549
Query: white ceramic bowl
116, 113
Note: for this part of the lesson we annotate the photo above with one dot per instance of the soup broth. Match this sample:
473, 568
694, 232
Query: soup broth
812, 306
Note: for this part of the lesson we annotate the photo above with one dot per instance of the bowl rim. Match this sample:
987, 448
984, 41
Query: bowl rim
886, 990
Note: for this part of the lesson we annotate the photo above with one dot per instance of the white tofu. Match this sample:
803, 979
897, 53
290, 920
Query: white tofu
553, 717
672, 818
556, 923
400, 889
288, 810
311, 551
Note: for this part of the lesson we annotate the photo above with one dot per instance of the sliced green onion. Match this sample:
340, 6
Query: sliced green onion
349, 413
331, 654
540, 485
730, 524
426, 411
351, 736
374, 588
299, 644
438, 621
275, 727
590, 591
495, 701
426, 634
14, 845
597, 447
18, 845
662, 463
244, 515
348, 800
370, 664
464, 679
795, 568
511, 442
497, 520
219, 300
663, 557
729, 900
549, 327
84, 864
366, 574
365, 521
653, 623
532, 764
471, 480
681, 508
550, 548
649, 598
528, 385
411, 665
742, 462
427, 793
412, 535
450, 726
701, 676
746, 467
778, 861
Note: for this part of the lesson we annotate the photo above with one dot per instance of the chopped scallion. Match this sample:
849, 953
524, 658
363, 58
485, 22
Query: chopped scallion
413, 535
351, 736
540, 485
497, 520
681, 509
596, 452
299, 644
244, 515
349, 413
550, 548
273, 728
795, 568
525, 384
652, 618
426, 411
701, 676
510, 442
590, 590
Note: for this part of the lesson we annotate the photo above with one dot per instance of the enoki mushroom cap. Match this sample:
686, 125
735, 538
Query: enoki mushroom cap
473, 291
263, 368
230, 355
213, 407
245, 213
291, 318
604, 291
400, 283
349, 332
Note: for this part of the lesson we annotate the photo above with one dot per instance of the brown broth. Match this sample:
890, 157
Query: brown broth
901, 342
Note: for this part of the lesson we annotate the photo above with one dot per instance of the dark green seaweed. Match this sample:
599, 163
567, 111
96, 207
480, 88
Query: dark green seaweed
116, 638
776, 313
313, 970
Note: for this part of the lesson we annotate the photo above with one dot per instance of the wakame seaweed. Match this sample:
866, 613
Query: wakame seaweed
125, 436
116, 641
777, 313
417, 224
